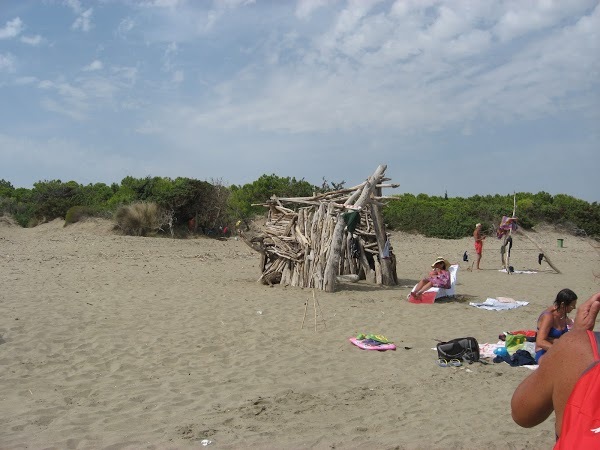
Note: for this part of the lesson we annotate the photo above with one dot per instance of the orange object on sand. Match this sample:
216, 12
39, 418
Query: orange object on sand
426, 297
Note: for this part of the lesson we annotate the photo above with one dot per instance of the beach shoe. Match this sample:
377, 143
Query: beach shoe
379, 338
452, 363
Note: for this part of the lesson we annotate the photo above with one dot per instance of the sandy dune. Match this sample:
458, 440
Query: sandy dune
116, 342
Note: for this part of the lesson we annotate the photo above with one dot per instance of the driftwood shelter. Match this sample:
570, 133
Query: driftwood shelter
318, 241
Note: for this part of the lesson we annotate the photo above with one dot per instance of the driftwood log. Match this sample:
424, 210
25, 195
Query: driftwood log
306, 241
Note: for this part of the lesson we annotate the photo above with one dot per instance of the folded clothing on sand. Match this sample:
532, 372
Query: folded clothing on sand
493, 304
519, 358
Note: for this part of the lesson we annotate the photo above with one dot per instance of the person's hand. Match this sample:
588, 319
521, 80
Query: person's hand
585, 319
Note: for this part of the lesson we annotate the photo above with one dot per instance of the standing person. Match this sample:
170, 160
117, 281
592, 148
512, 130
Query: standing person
478, 243
567, 382
554, 322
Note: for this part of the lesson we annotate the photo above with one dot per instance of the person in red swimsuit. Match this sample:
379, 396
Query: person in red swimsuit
478, 243
562, 380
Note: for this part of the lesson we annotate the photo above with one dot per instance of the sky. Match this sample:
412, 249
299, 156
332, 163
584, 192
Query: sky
464, 97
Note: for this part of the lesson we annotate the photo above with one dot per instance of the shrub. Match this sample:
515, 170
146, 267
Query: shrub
77, 213
139, 219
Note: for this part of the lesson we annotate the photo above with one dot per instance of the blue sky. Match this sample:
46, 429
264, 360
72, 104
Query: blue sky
469, 97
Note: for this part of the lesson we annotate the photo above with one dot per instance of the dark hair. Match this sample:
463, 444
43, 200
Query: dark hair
564, 298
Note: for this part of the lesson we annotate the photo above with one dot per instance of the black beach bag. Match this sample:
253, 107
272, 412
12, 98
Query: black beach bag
463, 349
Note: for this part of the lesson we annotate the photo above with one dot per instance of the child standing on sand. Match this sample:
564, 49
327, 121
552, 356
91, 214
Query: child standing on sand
478, 243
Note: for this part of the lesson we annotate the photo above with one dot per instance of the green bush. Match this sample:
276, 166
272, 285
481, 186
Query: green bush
261, 190
77, 213
213, 204
453, 218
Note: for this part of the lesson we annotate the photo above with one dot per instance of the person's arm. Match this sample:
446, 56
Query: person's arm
541, 338
531, 402
585, 319
549, 387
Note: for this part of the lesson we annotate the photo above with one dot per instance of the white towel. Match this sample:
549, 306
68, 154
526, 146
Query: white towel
493, 304
518, 271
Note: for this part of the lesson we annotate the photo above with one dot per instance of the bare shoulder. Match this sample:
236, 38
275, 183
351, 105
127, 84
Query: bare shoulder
571, 351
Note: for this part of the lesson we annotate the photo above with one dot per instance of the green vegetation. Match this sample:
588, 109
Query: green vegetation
243, 197
140, 219
453, 218
211, 205
78, 213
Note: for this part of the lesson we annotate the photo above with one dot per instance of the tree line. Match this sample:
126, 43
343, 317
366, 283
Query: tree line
211, 204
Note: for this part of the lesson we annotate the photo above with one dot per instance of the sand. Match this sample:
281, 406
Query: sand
116, 342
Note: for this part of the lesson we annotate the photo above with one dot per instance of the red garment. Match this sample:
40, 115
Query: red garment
478, 247
527, 333
581, 418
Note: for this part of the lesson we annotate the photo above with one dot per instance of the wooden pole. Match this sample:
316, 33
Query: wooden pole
304, 317
541, 251
330, 275
315, 306
508, 239
387, 277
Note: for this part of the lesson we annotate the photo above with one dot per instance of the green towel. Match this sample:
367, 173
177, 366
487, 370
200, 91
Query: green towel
352, 219
515, 342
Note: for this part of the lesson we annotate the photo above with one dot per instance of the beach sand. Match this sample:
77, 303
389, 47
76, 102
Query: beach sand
120, 342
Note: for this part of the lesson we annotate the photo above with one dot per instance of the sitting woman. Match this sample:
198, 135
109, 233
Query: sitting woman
438, 277
554, 322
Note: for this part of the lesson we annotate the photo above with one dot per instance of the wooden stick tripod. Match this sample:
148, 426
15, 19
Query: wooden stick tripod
505, 249
315, 305
507, 243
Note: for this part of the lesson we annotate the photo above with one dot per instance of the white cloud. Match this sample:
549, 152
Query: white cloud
441, 70
84, 21
125, 26
12, 29
70, 101
94, 65
233, 3
75, 5
149, 127
170, 52
171, 4
305, 8
525, 17
32, 40
124, 74
178, 76
25, 80
54, 106
7, 62
314, 77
